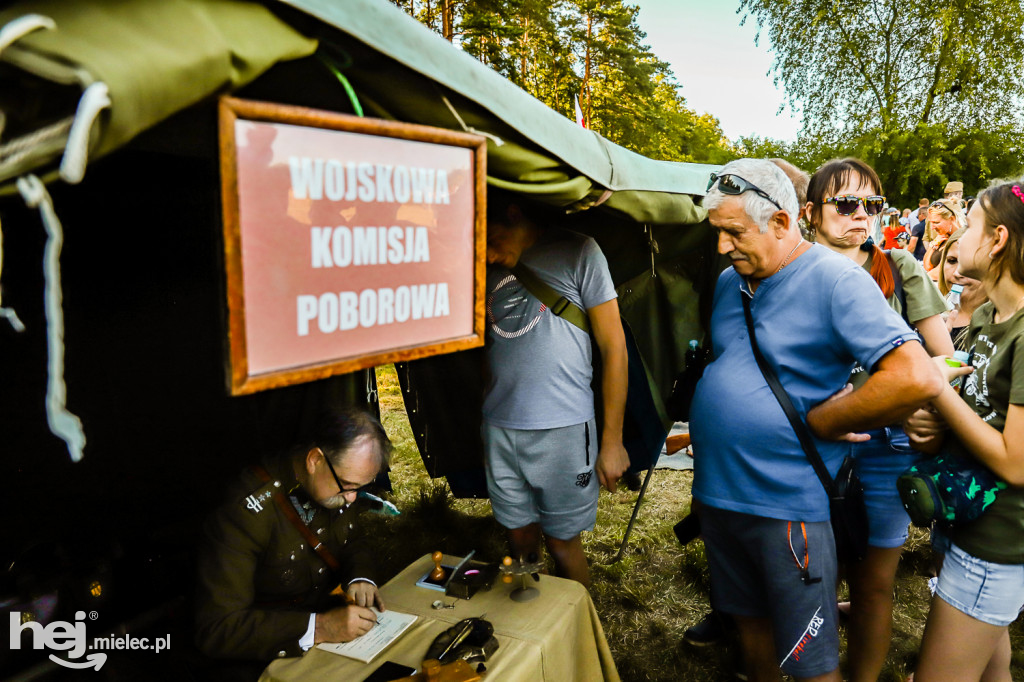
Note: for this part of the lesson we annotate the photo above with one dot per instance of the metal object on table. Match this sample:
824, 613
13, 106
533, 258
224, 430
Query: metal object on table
512, 569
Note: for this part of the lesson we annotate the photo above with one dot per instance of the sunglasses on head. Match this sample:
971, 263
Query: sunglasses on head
847, 205
734, 185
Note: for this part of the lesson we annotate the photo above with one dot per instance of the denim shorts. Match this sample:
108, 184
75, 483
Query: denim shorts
989, 592
756, 570
878, 463
543, 476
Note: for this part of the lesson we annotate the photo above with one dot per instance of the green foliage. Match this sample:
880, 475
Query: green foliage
911, 163
924, 91
889, 65
593, 49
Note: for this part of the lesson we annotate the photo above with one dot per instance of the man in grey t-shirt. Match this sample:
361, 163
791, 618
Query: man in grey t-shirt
539, 429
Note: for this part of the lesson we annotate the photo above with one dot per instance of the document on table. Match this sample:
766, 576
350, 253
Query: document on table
390, 626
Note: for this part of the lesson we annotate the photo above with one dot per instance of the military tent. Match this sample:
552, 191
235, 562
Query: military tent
113, 259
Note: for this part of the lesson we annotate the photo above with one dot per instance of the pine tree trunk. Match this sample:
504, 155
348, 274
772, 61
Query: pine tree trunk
447, 20
586, 70
524, 43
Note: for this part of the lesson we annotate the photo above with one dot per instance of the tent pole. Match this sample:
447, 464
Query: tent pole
632, 519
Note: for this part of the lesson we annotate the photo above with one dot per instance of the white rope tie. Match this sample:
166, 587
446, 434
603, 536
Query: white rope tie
8, 313
95, 99
22, 26
470, 129
62, 423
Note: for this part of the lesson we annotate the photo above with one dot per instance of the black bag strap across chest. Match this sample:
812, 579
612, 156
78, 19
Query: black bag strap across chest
559, 305
803, 432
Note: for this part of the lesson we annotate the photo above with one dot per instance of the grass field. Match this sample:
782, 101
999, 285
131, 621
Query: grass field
648, 599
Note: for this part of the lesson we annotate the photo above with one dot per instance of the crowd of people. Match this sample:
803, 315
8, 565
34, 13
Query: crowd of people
831, 336
850, 340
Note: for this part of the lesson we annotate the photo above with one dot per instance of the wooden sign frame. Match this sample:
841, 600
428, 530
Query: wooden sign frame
239, 378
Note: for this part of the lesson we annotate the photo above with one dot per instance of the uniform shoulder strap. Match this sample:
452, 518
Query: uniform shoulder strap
559, 305
285, 505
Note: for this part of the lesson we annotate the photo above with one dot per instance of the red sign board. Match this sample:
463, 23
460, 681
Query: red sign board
349, 242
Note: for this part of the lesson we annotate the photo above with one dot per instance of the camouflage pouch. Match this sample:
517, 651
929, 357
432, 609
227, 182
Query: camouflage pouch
948, 490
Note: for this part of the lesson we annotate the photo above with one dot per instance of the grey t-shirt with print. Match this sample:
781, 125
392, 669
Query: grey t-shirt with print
540, 364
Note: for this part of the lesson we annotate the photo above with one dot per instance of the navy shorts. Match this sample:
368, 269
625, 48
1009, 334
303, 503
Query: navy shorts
543, 476
757, 570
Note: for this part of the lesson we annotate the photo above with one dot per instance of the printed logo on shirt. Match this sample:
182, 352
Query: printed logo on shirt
897, 343
976, 384
511, 310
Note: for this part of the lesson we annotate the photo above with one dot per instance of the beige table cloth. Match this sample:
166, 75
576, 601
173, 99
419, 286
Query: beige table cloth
555, 637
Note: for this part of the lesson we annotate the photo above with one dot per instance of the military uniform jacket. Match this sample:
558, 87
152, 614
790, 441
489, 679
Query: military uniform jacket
259, 580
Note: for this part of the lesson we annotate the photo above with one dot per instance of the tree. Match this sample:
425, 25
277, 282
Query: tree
558, 49
891, 65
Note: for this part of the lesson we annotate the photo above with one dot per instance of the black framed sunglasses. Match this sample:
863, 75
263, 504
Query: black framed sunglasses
847, 205
734, 185
342, 489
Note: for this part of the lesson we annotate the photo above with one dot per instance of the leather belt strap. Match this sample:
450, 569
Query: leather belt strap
288, 510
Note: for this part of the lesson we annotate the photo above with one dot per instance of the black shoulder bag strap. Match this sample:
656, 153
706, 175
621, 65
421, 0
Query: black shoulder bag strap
559, 305
803, 432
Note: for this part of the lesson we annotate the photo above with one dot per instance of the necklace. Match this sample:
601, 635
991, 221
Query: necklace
786, 262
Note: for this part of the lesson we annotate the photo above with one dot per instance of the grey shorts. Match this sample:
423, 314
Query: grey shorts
543, 476
755, 571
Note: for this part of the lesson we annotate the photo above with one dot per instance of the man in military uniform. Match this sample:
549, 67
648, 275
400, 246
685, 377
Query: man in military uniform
272, 554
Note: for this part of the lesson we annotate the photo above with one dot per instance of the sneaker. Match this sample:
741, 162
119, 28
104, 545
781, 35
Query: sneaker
707, 632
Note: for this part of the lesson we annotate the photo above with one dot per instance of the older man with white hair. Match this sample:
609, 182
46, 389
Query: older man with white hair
764, 513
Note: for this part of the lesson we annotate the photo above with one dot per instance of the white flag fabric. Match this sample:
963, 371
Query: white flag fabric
579, 112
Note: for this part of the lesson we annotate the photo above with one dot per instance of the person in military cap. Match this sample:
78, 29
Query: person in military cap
953, 190
272, 554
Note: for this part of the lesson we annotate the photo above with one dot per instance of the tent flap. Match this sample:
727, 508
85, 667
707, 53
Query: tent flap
156, 58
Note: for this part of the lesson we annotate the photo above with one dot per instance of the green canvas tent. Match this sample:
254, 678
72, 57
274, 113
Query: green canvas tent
113, 106
86, 79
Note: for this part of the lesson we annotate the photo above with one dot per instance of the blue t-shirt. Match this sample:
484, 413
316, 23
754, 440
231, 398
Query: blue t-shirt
540, 363
814, 321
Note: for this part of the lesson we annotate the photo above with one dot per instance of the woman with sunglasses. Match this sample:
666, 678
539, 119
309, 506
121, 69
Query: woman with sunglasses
843, 198
944, 218
980, 590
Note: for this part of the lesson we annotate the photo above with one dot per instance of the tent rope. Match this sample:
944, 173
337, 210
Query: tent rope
7, 313
62, 423
357, 108
95, 99
16, 149
22, 26
470, 129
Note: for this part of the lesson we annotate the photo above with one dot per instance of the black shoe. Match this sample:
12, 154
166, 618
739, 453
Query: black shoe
631, 480
707, 632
